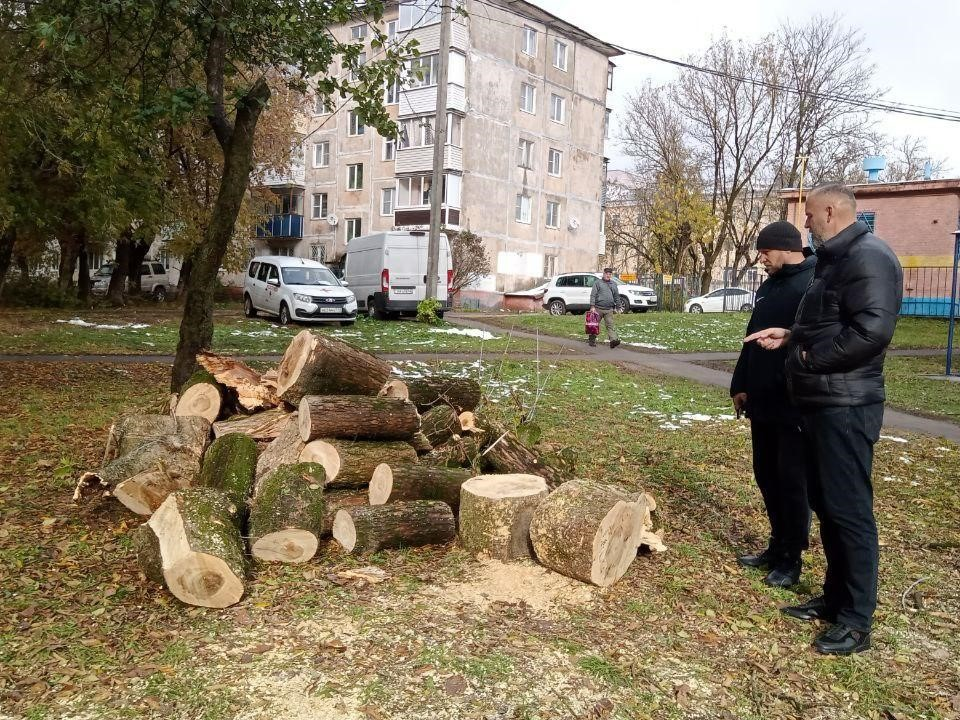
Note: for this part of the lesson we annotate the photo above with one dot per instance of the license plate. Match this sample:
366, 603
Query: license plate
330, 310
403, 291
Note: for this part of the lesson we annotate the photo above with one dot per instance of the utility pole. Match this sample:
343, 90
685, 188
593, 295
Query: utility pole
439, 145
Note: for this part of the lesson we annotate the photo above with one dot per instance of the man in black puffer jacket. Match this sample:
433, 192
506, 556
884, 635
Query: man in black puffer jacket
835, 354
759, 388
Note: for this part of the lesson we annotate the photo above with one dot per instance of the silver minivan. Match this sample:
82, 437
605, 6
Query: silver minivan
299, 289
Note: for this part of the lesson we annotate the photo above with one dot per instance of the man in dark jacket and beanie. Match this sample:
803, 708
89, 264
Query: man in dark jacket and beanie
759, 388
835, 354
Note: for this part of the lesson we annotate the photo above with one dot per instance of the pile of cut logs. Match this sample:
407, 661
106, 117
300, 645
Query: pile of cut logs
332, 443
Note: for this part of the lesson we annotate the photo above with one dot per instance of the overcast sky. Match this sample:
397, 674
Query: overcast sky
913, 44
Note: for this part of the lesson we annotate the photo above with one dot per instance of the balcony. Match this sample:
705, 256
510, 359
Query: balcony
418, 160
423, 100
295, 177
287, 225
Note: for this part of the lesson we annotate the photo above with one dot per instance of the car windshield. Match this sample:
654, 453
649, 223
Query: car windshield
104, 271
308, 276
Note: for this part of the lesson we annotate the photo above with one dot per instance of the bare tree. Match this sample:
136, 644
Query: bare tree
907, 159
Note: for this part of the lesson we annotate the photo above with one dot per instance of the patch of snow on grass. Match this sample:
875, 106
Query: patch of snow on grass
469, 332
83, 323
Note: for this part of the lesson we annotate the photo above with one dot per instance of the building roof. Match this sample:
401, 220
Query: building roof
537, 14
909, 187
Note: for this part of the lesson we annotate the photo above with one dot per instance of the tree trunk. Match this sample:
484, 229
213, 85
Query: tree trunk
286, 514
505, 453
368, 529
83, 275
200, 395
318, 365
338, 500
229, 464
143, 479
196, 326
266, 425
117, 290
588, 531
283, 450
439, 424
8, 239
351, 464
185, 266
68, 259
138, 251
428, 392
357, 416
495, 514
409, 481
132, 431
23, 265
201, 550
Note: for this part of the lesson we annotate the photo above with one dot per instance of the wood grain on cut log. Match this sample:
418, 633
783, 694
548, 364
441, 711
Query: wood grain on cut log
350, 464
230, 464
283, 449
505, 453
319, 365
368, 529
252, 394
588, 531
357, 417
265, 425
131, 431
200, 546
439, 424
396, 482
201, 395
286, 514
337, 500
394, 388
460, 393
495, 514
143, 478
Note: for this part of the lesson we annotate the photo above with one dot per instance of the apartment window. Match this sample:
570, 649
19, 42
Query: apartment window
387, 197
554, 162
609, 77
321, 154
355, 176
318, 253
416, 132
549, 265
525, 154
419, 13
422, 71
391, 95
606, 123
870, 218
391, 29
529, 41
354, 124
523, 209
560, 55
413, 192
389, 149
553, 214
528, 98
361, 61
358, 32
353, 228
322, 106
454, 130
557, 108
318, 209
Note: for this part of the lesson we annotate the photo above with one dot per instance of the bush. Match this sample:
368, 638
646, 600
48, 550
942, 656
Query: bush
37, 292
428, 311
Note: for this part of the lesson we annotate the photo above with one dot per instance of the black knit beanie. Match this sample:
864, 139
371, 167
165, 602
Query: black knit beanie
780, 235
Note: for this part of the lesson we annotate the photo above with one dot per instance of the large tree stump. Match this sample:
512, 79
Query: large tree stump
588, 531
398, 482
283, 449
201, 395
143, 478
319, 365
262, 426
505, 453
286, 514
200, 546
495, 513
337, 500
131, 431
368, 529
350, 464
428, 392
230, 464
439, 424
252, 394
355, 417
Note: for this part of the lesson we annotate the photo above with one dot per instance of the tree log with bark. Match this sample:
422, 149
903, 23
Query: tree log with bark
230, 464
131, 431
337, 500
356, 416
505, 453
252, 394
201, 395
283, 449
456, 392
350, 464
287, 512
495, 514
261, 426
368, 529
398, 482
439, 424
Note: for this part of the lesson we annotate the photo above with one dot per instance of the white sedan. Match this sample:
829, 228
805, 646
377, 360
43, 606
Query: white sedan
729, 299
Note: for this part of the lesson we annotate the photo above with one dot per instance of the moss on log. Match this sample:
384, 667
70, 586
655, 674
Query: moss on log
230, 464
286, 515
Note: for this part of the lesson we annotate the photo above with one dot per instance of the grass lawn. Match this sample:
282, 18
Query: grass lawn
154, 329
685, 634
684, 332
909, 388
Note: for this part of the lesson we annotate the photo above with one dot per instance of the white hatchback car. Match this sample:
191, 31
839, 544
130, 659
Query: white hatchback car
296, 289
731, 299
570, 292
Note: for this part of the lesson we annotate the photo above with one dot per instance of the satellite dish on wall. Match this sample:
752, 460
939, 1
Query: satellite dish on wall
332, 219
573, 223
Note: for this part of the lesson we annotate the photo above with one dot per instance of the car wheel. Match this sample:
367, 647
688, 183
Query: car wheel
623, 304
346, 323
696, 309
746, 307
248, 309
372, 311
557, 307
284, 317
160, 294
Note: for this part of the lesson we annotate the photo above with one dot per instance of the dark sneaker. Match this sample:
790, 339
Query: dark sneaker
813, 609
614, 343
784, 575
592, 342
842, 640
755, 560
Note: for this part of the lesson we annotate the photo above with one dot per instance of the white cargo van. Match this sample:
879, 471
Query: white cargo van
387, 271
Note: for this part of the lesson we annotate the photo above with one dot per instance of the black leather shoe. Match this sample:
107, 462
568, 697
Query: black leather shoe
783, 575
614, 343
755, 560
842, 640
591, 342
813, 609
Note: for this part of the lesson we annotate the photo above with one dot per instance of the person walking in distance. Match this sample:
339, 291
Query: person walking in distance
834, 367
603, 301
759, 389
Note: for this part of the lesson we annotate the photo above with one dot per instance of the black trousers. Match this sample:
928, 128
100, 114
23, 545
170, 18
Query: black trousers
839, 443
780, 470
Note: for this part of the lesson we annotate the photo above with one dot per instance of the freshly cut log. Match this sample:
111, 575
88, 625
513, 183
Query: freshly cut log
495, 514
505, 453
404, 481
337, 500
283, 450
252, 394
265, 425
588, 531
200, 546
439, 424
356, 416
350, 464
142, 479
286, 514
319, 365
459, 393
200, 395
230, 464
462, 452
394, 388
368, 529
420, 443
131, 431
146, 545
